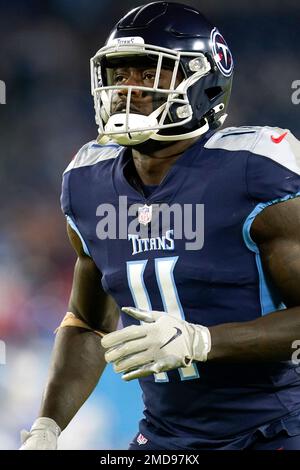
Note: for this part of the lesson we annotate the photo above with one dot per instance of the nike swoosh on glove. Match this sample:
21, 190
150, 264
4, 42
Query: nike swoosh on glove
43, 435
163, 342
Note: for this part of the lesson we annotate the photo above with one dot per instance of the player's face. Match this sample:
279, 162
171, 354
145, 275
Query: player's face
142, 101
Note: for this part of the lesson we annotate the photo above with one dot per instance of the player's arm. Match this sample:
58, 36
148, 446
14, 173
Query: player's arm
276, 231
78, 358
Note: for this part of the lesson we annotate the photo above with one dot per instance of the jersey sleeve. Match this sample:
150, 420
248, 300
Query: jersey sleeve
78, 175
81, 157
273, 174
65, 198
273, 167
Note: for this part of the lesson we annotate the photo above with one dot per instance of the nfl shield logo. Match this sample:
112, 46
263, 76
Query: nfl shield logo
141, 440
145, 214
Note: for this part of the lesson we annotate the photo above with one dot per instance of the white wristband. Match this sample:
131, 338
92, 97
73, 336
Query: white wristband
46, 423
43, 435
201, 343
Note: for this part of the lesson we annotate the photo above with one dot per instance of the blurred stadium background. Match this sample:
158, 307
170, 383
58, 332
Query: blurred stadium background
46, 48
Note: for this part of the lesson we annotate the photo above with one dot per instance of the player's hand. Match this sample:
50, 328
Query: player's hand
42, 436
162, 343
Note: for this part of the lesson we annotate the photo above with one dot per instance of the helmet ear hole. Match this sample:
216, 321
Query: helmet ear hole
213, 92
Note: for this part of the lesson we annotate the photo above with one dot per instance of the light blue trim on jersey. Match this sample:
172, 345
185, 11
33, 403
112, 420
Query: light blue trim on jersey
174, 259
143, 263
136, 304
190, 377
261, 206
105, 145
164, 380
266, 300
161, 290
75, 228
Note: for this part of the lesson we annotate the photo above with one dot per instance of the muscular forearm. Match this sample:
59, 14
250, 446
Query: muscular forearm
77, 364
268, 338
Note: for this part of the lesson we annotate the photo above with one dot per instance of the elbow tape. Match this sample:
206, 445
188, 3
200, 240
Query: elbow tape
71, 320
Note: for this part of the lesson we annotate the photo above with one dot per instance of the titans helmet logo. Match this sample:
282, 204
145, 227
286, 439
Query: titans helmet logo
221, 53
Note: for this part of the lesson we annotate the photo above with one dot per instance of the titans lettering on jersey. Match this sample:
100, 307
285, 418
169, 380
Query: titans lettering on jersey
235, 174
140, 245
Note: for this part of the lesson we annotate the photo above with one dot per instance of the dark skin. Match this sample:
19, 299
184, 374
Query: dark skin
78, 357
269, 338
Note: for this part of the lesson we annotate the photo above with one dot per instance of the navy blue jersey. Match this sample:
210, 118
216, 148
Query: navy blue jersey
224, 180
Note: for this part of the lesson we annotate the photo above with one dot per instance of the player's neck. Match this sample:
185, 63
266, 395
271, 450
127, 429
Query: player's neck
153, 166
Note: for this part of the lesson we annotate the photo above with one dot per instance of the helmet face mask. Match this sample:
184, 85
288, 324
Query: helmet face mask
145, 72
176, 103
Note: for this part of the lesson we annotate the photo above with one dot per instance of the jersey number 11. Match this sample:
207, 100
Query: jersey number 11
164, 268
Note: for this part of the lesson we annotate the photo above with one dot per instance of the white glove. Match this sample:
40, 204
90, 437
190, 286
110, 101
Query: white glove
42, 436
163, 343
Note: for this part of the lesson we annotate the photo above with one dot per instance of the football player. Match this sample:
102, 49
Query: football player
208, 328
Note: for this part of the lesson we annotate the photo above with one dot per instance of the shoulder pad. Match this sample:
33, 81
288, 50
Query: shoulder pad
234, 138
280, 145
92, 153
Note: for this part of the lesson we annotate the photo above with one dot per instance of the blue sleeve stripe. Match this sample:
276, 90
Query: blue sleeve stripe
106, 145
248, 222
74, 227
268, 301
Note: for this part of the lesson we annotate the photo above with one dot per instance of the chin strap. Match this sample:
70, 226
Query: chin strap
197, 132
189, 135
124, 139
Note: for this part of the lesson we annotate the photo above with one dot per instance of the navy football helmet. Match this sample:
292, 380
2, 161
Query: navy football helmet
169, 36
